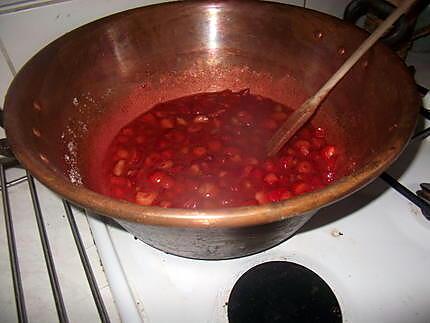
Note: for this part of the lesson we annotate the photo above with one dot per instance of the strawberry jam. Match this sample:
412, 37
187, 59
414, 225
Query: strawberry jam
208, 151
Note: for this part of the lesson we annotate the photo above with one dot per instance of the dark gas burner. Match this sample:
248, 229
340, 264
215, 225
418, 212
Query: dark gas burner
281, 291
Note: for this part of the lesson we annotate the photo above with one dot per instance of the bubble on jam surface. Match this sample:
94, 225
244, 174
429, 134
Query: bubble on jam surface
71, 159
318, 34
44, 158
36, 132
341, 51
208, 151
37, 106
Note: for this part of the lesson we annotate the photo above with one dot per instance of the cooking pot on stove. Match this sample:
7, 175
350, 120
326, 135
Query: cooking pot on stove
64, 107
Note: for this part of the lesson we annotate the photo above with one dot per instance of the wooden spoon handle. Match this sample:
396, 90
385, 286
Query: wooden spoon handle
307, 109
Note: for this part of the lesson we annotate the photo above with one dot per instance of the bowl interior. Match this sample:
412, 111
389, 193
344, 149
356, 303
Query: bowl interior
67, 103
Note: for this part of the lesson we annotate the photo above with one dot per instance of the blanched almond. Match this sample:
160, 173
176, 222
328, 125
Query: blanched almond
165, 204
122, 153
167, 123
261, 197
222, 173
119, 167
195, 127
195, 169
271, 178
199, 151
236, 158
145, 198
181, 121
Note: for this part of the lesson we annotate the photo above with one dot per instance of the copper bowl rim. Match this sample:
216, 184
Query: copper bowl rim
221, 218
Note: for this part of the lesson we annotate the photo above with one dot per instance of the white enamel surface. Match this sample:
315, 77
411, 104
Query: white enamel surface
25, 32
371, 248
124, 298
331, 7
5, 78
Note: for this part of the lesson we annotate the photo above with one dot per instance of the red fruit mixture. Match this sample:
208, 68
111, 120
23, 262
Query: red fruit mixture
208, 151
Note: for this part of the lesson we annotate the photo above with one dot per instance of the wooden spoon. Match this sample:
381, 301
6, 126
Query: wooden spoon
301, 115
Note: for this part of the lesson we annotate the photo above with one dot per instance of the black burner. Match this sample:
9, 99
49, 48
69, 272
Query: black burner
281, 291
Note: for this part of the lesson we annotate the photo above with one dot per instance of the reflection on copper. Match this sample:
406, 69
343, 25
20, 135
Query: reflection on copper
213, 27
121, 51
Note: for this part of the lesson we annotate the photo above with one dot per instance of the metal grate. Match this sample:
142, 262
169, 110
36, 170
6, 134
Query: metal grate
395, 184
6, 163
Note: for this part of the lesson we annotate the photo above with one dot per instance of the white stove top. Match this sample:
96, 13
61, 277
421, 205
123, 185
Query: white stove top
371, 248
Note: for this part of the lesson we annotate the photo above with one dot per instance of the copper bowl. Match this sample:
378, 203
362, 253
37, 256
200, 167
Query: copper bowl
64, 107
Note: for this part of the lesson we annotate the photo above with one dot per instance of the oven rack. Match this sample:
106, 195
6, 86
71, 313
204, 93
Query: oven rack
8, 162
